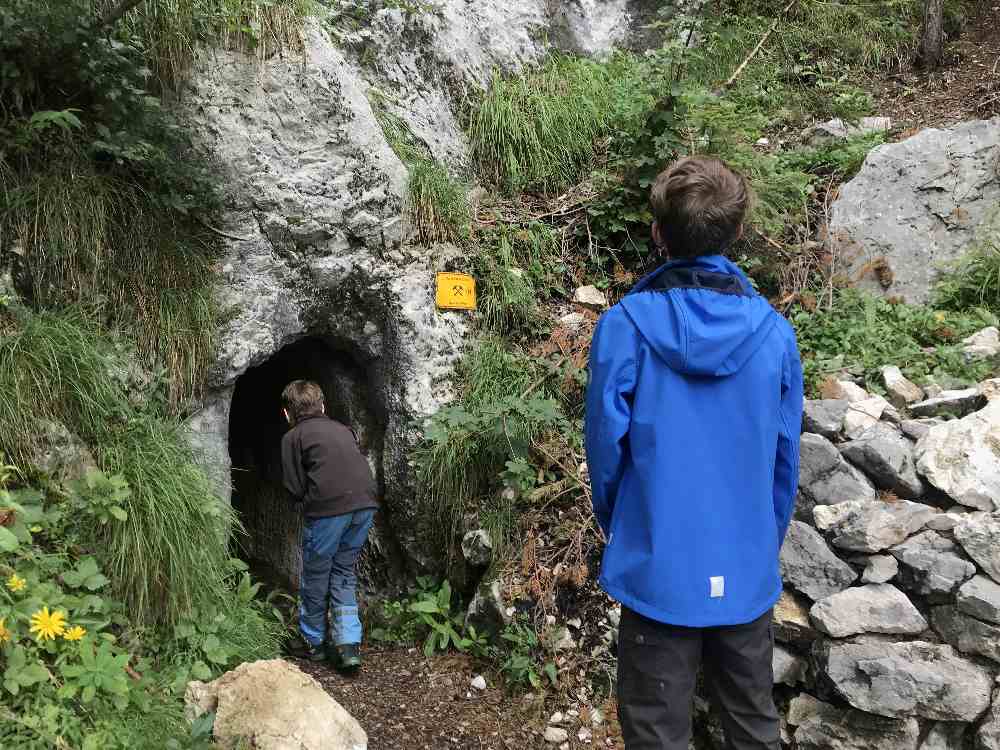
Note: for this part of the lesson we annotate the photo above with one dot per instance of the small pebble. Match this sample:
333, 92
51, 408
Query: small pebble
556, 735
479, 682
556, 718
584, 734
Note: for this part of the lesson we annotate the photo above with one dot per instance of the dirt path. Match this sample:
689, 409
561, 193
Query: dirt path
407, 702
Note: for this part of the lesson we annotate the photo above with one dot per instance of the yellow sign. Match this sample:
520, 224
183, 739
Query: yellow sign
456, 291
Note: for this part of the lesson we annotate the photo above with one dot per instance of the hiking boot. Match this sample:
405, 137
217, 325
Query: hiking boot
345, 657
302, 649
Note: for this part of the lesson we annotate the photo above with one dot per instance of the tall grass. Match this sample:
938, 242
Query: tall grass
540, 131
90, 239
171, 552
436, 209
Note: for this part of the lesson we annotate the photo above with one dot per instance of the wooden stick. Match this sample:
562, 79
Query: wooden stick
760, 45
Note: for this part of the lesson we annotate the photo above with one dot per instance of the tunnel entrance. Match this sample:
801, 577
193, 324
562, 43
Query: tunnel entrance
256, 426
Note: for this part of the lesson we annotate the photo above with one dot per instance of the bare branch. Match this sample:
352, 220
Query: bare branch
760, 45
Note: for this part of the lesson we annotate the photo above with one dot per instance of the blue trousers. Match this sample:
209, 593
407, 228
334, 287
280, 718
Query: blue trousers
330, 549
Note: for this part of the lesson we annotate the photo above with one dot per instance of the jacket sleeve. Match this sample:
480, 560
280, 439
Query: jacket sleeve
292, 470
609, 409
786, 464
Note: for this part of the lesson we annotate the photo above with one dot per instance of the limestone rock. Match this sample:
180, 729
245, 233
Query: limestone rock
789, 669
945, 521
821, 726
979, 535
486, 611
839, 130
990, 389
907, 679
902, 392
967, 634
59, 453
945, 735
824, 416
871, 526
984, 344
875, 608
791, 619
887, 457
880, 569
931, 565
810, 567
917, 428
980, 597
556, 735
863, 415
962, 458
590, 297
273, 705
988, 736
477, 548
825, 478
915, 205
846, 390
950, 403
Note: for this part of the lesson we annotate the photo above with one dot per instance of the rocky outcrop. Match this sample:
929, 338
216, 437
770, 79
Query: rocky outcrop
915, 205
273, 705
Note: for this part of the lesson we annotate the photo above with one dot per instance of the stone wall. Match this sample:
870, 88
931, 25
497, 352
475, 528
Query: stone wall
889, 628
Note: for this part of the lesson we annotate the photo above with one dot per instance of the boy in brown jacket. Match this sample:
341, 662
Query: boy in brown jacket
324, 471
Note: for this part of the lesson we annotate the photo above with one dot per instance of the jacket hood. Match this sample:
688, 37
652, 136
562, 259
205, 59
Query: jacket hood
697, 330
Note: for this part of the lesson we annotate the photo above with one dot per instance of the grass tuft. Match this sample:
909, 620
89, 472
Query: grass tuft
171, 552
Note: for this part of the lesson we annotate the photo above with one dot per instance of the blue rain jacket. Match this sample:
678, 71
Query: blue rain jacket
694, 410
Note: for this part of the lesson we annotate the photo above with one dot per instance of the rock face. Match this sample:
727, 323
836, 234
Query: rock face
871, 526
886, 456
916, 204
967, 634
979, 535
821, 726
880, 569
59, 453
824, 417
930, 565
907, 679
477, 548
809, 565
980, 597
825, 478
962, 458
319, 277
988, 736
273, 705
876, 608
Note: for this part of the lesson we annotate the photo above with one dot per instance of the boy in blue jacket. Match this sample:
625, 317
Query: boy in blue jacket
694, 409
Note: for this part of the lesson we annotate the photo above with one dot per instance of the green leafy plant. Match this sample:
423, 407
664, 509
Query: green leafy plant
429, 614
522, 665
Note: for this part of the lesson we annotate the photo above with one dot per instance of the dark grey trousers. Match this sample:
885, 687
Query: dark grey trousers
658, 669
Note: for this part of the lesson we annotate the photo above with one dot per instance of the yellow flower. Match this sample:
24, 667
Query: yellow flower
75, 633
15, 583
4, 633
46, 625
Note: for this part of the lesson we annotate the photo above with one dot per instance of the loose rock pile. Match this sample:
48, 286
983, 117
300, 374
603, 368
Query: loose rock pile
889, 629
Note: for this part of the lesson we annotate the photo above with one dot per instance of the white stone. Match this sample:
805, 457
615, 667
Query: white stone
979, 535
479, 682
863, 415
590, 297
880, 569
901, 391
982, 345
556, 735
848, 391
556, 718
871, 526
273, 705
962, 458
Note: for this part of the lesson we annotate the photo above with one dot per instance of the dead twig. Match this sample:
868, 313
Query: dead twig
753, 53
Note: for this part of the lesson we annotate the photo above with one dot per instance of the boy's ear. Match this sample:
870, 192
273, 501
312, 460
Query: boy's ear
658, 239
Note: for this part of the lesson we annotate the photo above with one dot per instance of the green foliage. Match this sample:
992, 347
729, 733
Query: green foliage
430, 614
75, 669
169, 552
518, 267
861, 333
539, 131
462, 462
974, 279
523, 664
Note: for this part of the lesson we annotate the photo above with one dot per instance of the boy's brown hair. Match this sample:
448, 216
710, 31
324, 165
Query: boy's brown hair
699, 204
303, 398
